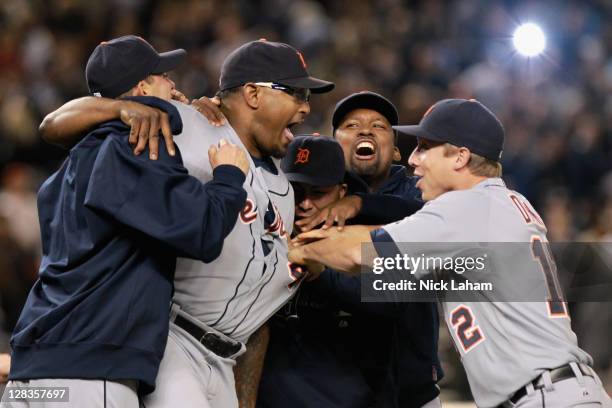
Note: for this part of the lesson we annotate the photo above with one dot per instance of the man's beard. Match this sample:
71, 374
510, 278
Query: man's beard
279, 155
276, 152
364, 169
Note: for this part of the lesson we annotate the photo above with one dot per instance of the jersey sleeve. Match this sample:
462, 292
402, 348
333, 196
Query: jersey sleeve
430, 224
429, 231
160, 199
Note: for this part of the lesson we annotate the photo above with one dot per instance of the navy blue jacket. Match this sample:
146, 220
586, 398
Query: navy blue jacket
394, 199
382, 355
112, 225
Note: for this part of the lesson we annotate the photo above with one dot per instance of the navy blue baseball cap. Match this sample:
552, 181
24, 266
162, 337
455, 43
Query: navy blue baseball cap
268, 61
116, 66
364, 100
315, 160
463, 123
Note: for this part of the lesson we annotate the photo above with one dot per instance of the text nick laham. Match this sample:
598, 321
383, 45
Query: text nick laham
432, 285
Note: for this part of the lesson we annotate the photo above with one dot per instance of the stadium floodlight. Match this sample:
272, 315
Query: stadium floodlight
529, 40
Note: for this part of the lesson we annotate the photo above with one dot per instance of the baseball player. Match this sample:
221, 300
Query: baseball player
112, 223
379, 192
303, 366
521, 354
264, 89
401, 368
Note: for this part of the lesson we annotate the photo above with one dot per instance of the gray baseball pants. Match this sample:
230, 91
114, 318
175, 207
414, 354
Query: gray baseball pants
581, 391
191, 376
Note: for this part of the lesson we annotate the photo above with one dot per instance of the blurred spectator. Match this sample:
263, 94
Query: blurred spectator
17, 274
18, 206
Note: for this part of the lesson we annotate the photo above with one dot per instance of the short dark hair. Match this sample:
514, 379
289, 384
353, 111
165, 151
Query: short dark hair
478, 165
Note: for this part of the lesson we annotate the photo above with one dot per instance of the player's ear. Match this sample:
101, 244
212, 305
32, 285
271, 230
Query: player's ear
142, 88
463, 157
251, 95
397, 155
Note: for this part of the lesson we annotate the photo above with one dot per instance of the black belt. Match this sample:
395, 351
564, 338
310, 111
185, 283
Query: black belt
556, 375
210, 340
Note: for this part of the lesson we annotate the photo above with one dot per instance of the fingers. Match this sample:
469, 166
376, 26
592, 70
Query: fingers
143, 135
340, 220
167, 134
229, 153
179, 96
134, 130
316, 220
154, 138
316, 234
145, 123
153, 147
210, 109
335, 213
330, 219
212, 155
308, 223
311, 236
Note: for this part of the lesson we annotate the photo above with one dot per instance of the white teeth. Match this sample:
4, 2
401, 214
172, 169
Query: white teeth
366, 144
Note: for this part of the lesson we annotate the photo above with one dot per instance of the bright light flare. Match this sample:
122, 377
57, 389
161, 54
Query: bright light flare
529, 40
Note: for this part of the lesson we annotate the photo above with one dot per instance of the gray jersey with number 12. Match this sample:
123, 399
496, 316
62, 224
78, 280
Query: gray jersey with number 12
503, 345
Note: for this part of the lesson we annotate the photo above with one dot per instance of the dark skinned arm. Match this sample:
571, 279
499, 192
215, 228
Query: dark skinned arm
247, 371
68, 124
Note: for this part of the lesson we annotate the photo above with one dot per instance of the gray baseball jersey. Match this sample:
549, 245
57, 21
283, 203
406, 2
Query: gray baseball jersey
251, 279
503, 345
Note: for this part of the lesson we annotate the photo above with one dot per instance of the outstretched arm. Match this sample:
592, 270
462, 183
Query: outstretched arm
339, 250
69, 123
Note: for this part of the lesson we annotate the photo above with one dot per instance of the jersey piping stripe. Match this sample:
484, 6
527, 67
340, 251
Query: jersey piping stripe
256, 297
280, 173
251, 182
244, 273
246, 269
280, 194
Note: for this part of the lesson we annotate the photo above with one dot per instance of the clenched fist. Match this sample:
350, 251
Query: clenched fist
228, 153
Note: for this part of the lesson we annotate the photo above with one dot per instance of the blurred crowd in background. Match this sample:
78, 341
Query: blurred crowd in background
557, 108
